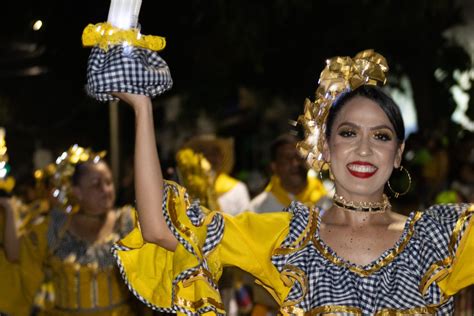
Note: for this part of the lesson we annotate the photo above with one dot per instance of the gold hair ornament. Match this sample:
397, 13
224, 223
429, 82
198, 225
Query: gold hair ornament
64, 170
196, 174
395, 193
341, 74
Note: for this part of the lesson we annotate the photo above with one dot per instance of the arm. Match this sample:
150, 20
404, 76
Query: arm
11, 238
148, 175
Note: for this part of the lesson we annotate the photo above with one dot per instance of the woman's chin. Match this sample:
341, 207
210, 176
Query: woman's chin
360, 190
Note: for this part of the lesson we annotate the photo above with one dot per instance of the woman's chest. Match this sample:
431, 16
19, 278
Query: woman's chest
360, 246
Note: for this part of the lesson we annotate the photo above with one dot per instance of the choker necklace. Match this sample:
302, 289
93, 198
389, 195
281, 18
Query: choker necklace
369, 207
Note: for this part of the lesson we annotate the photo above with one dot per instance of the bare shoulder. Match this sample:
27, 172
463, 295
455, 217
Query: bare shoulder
397, 221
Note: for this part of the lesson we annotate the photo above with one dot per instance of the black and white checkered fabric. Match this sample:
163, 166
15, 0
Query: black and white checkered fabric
125, 68
395, 286
215, 231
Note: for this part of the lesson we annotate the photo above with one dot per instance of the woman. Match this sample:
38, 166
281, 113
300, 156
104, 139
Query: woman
70, 248
359, 258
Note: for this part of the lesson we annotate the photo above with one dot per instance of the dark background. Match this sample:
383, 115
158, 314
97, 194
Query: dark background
274, 48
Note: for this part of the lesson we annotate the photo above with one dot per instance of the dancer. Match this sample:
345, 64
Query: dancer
70, 246
358, 258
232, 195
290, 180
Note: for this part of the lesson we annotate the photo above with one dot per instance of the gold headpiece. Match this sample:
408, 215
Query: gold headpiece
340, 75
226, 147
196, 174
7, 183
43, 179
63, 171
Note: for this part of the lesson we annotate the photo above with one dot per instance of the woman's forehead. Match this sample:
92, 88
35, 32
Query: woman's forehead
94, 169
363, 112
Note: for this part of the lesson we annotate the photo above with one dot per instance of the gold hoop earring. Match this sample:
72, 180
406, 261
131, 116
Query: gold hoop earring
331, 175
397, 194
320, 173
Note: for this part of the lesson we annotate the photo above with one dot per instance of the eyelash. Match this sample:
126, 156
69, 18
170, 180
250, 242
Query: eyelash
379, 136
383, 137
347, 133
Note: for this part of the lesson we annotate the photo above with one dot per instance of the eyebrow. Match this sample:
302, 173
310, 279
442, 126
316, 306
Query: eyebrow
382, 126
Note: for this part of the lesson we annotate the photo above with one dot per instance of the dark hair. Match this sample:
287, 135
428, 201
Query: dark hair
281, 140
377, 95
80, 169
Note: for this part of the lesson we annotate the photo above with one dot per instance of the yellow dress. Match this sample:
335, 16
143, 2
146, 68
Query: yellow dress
84, 277
11, 299
431, 262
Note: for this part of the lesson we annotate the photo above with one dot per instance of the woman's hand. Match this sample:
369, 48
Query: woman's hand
6, 204
136, 101
11, 237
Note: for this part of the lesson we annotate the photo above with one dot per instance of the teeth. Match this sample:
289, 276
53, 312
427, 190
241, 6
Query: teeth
361, 168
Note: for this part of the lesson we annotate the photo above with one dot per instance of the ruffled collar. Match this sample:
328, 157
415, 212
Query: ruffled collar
384, 259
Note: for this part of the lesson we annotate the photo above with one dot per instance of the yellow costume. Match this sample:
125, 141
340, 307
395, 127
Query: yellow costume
84, 277
11, 300
284, 252
275, 198
232, 194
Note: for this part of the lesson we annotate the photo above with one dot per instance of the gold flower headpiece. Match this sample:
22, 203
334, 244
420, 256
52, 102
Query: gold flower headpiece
64, 170
342, 74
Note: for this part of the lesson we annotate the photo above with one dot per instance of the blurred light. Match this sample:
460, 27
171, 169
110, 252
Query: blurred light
403, 96
459, 115
37, 25
460, 93
440, 74
3, 173
410, 155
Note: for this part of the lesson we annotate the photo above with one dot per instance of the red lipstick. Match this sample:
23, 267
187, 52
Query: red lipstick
361, 169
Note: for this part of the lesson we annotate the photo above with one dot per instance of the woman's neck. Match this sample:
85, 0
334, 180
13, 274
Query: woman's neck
344, 217
92, 227
90, 216
359, 209
294, 188
356, 206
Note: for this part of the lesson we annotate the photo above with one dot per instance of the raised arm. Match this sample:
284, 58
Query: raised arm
148, 175
10, 235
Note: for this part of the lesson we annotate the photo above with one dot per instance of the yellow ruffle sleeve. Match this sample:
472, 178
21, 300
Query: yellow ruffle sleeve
458, 271
185, 281
33, 251
105, 34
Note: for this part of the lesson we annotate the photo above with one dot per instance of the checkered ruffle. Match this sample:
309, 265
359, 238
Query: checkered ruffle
125, 68
395, 286
215, 231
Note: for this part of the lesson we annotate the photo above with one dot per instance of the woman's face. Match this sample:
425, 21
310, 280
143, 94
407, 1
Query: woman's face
95, 190
363, 149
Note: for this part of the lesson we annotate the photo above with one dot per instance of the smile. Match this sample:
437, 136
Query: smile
361, 169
